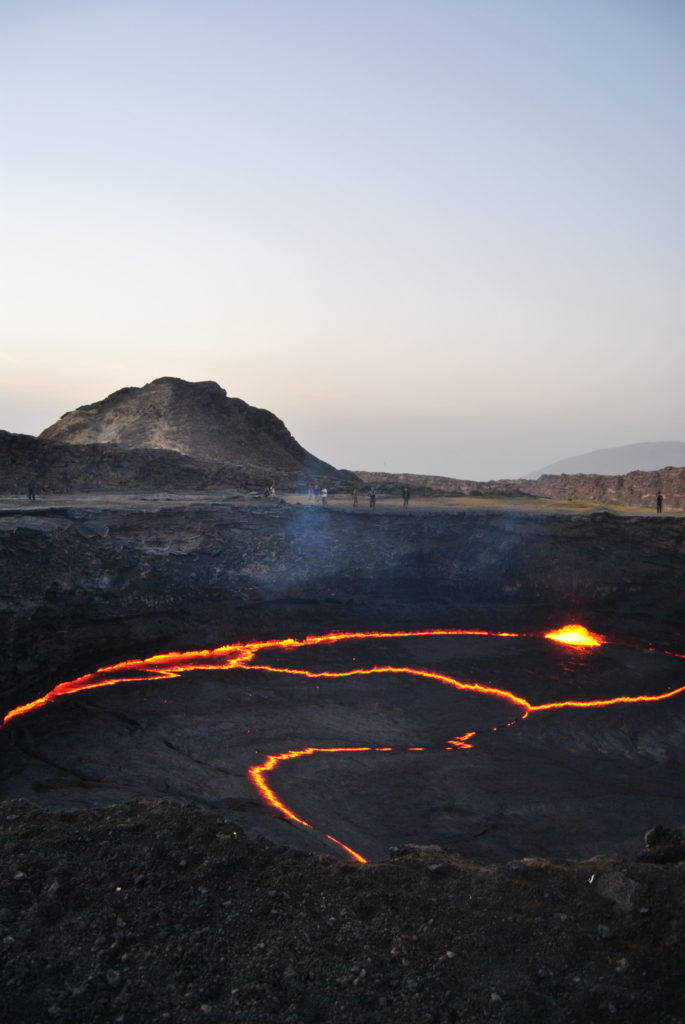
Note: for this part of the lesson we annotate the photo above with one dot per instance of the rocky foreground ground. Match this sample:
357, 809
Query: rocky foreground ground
153, 911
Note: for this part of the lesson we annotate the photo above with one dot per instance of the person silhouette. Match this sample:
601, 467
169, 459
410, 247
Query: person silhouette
659, 502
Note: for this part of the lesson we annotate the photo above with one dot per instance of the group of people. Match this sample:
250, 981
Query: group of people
314, 493
372, 497
406, 495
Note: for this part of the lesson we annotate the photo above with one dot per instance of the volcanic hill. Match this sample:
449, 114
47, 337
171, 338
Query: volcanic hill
170, 435
197, 420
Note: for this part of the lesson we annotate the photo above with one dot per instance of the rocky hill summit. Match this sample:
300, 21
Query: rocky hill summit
196, 420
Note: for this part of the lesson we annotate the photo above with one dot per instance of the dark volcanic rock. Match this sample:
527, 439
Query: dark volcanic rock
664, 845
159, 912
60, 468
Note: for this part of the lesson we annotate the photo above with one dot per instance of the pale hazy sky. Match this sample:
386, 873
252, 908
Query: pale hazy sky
441, 237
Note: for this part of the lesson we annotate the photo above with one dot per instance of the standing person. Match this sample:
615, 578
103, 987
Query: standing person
324, 495
406, 495
372, 498
31, 487
659, 502
355, 498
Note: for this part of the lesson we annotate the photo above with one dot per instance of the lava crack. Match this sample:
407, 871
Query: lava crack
242, 656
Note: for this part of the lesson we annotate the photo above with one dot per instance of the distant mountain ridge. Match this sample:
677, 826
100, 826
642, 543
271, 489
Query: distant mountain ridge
197, 420
626, 458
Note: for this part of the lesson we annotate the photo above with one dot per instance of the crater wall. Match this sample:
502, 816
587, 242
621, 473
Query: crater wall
86, 586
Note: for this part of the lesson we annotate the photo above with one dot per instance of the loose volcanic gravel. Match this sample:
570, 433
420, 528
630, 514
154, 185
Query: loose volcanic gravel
155, 911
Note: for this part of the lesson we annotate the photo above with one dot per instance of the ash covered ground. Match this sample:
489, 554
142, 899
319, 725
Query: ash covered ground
159, 912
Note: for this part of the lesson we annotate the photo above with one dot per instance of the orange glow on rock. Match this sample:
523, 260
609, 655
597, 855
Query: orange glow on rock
242, 656
461, 742
348, 849
576, 636
258, 772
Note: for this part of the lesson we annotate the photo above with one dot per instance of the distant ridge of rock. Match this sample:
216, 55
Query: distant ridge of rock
197, 420
638, 489
626, 458
440, 485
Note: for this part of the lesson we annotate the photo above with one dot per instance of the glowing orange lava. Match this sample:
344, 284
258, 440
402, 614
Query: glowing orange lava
576, 636
242, 655
461, 742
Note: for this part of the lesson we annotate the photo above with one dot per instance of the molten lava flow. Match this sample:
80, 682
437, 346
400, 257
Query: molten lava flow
160, 666
576, 636
398, 670
257, 773
461, 742
242, 656
348, 849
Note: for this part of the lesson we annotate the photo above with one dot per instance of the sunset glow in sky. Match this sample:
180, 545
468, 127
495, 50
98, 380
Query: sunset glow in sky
441, 237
